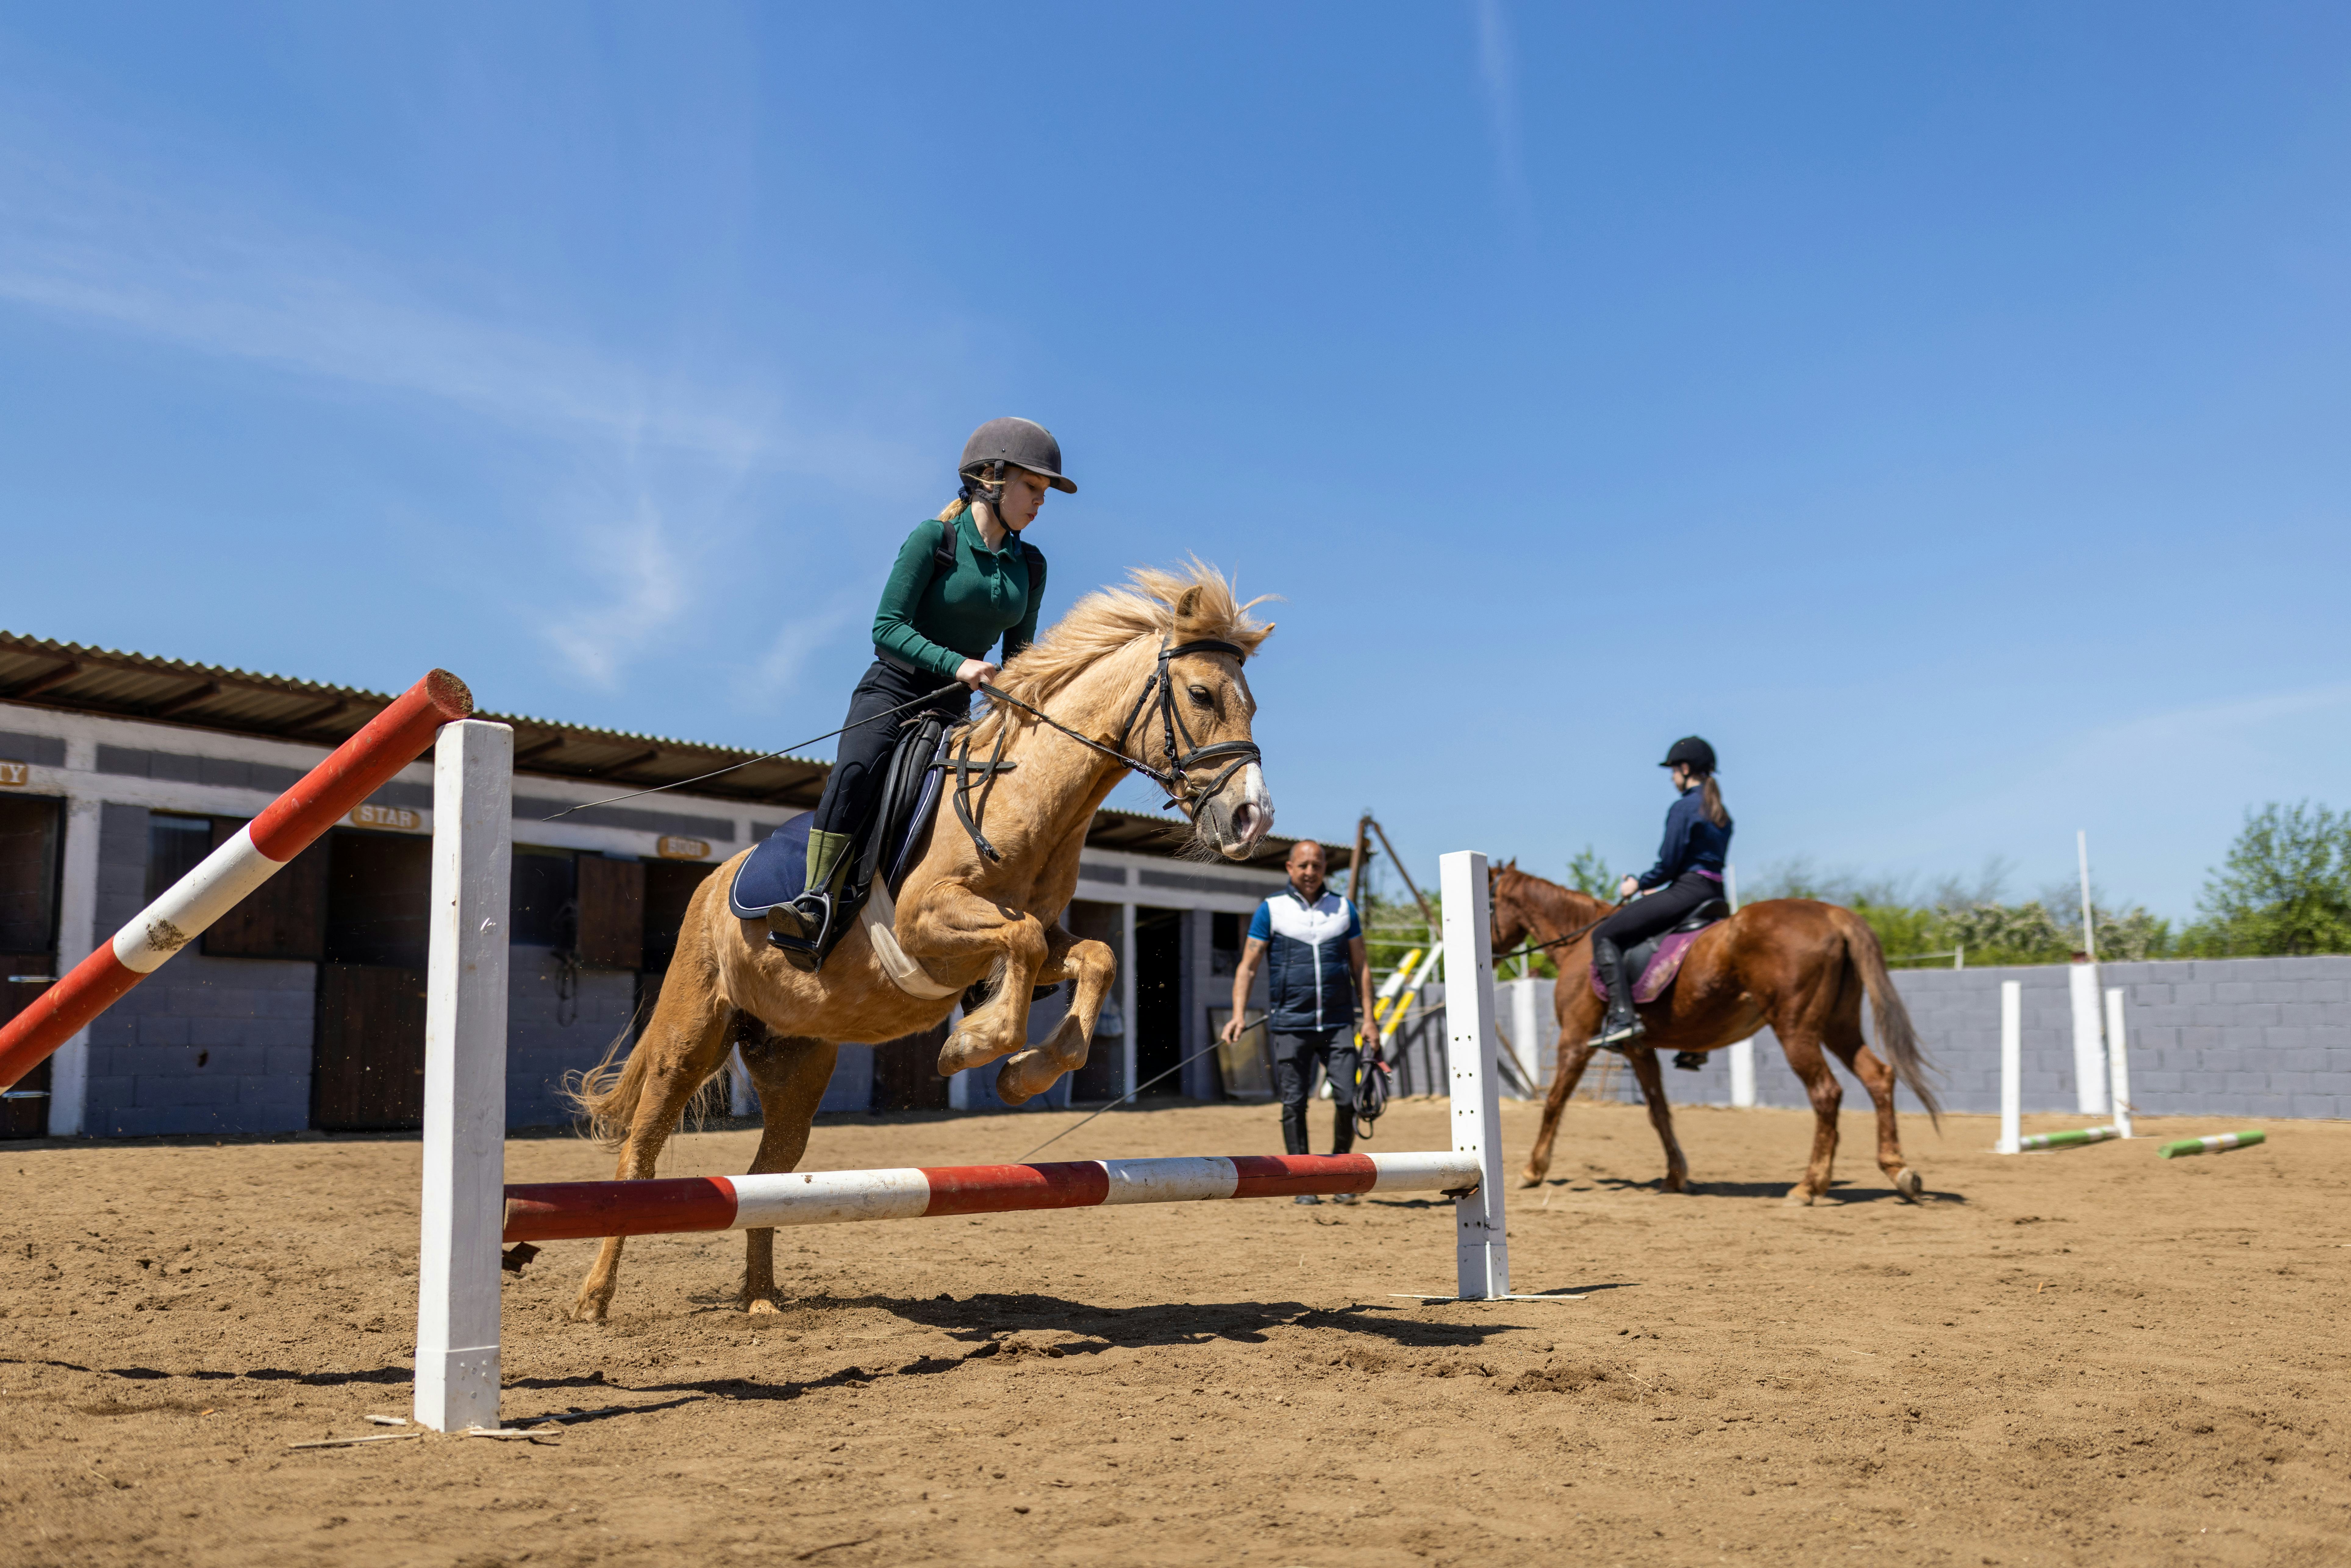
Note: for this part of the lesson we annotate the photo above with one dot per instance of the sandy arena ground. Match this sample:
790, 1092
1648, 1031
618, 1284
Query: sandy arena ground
2090, 1356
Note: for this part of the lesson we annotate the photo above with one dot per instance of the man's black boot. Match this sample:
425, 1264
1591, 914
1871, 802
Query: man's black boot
1342, 1142
1294, 1140
1621, 1025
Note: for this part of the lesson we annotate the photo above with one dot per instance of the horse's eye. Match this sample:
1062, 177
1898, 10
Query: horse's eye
1202, 697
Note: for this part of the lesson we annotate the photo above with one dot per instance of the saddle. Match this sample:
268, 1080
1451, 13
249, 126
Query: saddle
1659, 959
883, 850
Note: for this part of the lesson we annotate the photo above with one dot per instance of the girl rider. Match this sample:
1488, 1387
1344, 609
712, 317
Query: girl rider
1688, 873
936, 623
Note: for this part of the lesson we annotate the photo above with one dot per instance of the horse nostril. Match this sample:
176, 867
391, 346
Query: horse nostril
1245, 820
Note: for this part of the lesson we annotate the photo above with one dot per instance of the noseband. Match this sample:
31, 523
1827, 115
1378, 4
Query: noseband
1184, 792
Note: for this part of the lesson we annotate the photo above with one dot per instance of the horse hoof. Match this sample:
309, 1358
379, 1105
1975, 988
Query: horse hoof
1907, 1183
588, 1311
1532, 1178
762, 1303
1798, 1197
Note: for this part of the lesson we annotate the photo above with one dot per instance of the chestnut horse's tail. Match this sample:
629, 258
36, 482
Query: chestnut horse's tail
1896, 1036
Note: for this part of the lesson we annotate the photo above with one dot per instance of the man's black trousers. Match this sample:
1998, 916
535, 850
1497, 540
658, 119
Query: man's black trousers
1295, 1057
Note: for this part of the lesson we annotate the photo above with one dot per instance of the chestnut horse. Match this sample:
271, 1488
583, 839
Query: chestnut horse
1129, 670
1797, 965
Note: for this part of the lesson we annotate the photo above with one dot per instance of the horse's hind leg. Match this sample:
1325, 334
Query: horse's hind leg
789, 1073
683, 1045
1878, 1079
1576, 1027
1661, 1115
1803, 1052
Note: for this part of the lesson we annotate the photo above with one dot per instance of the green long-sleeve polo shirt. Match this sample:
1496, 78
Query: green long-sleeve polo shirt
935, 621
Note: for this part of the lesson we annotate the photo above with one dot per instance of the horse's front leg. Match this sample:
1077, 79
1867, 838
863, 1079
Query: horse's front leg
1029, 1073
1661, 1114
956, 926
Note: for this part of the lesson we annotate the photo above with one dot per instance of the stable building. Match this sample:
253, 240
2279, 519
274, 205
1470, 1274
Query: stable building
303, 1008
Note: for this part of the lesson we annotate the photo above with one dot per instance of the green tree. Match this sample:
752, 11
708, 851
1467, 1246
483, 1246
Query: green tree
1588, 873
2285, 887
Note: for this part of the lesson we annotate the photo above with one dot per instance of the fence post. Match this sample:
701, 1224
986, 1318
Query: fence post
2089, 1049
1481, 1247
2118, 1062
2011, 1067
464, 1078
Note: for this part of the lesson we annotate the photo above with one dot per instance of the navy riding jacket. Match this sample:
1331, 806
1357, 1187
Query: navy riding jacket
1692, 844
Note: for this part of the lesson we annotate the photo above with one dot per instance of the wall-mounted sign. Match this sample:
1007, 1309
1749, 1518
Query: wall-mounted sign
395, 817
675, 848
14, 775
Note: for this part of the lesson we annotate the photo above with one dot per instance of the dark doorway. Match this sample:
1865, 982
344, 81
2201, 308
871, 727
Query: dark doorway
29, 830
1100, 1078
906, 1072
1158, 1021
367, 1059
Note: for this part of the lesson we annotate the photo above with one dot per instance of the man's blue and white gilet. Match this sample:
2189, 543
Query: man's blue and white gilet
1308, 985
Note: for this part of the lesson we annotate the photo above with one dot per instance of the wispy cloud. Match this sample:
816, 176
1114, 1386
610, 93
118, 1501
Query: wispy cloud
655, 460
780, 668
1498, 78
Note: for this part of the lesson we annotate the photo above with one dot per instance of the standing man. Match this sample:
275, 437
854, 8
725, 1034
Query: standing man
1317, 972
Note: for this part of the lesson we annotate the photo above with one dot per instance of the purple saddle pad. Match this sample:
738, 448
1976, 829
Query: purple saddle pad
1659, 971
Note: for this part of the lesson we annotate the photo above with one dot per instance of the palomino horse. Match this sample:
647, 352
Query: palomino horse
1799, 965
1133, 670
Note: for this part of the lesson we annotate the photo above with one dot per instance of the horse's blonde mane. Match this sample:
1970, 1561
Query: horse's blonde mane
1110, 620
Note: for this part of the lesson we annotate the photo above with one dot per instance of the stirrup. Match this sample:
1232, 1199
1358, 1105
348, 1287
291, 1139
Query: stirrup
1689, 1060
798, 931
1616, 1034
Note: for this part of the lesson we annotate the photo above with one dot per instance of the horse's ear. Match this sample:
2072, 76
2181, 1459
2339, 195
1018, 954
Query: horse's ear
1187, 615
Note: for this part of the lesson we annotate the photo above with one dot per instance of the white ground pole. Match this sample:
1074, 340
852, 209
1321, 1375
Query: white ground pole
464, 1078
1481, 1248
1742, 1052
2089, 1040
2011, 1067
2117, 1061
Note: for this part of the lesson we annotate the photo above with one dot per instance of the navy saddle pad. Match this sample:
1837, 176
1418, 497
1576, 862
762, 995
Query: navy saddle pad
778, 869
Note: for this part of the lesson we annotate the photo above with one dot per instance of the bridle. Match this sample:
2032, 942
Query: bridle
1185, 792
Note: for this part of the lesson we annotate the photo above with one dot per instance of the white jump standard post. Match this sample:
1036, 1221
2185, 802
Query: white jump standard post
464, 1078
2011, 1067
1481, 1247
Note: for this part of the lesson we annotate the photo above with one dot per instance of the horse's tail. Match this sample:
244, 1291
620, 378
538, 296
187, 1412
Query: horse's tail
1895, 1035
606, 1094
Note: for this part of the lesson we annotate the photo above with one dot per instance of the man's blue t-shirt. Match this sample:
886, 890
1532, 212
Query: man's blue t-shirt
1309, 985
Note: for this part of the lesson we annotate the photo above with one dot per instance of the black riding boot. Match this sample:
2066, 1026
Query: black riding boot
1343, 1131
1293, 1130
1621, 1026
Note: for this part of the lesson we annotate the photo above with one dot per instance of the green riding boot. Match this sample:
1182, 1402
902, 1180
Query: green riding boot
809, 917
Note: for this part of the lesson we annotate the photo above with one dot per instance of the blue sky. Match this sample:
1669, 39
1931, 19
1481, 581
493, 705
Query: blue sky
1940, 408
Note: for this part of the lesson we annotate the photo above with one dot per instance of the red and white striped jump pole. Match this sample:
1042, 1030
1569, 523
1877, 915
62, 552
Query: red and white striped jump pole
561, 1211
359, 767
457, 1377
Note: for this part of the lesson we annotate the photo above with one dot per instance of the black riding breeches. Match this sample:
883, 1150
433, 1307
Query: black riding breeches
863, 752
1660, 911
1294, 1059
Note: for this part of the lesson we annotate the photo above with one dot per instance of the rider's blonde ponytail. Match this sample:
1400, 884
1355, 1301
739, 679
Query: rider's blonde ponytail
952, 510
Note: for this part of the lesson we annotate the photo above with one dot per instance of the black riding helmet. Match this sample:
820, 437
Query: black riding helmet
1020, 442
1690, 749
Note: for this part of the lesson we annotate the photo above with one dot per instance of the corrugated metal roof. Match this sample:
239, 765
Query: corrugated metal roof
123, 685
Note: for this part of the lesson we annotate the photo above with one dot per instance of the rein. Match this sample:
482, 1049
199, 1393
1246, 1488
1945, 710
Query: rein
1539, 946
1176, 778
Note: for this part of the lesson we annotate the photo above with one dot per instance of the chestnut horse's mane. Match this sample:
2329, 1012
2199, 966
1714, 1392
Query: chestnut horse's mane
1557, 908
1110, 620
